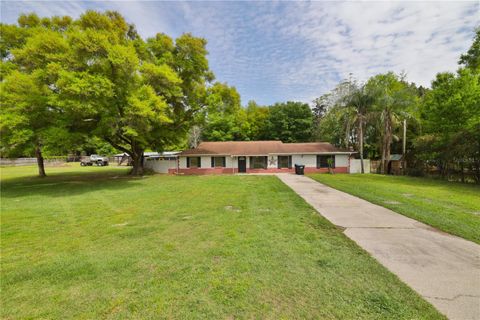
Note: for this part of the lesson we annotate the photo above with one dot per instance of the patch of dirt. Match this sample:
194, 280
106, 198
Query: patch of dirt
232, 208
56, 164
408, 195
392, 202
476, 212
120, 224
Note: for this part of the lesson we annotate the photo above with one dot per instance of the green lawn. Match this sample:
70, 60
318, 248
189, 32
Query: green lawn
449, 206
90, 243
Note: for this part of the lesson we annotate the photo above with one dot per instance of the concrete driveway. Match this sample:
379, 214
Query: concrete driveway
444, 269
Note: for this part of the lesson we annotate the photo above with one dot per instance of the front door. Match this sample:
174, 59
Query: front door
242, 164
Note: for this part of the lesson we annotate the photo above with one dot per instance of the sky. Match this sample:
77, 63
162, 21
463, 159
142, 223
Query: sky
278, 51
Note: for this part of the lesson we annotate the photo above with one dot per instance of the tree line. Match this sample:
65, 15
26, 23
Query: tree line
435, 129
94, 84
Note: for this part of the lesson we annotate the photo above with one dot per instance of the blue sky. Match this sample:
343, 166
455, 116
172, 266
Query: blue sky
278, 51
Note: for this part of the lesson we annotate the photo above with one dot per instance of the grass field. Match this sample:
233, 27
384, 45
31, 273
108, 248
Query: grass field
449, 206
90, 243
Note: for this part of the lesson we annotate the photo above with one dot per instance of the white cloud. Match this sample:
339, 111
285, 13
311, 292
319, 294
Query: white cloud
421, 38
275, 51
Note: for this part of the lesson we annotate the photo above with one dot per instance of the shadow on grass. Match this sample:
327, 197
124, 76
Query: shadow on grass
60, 184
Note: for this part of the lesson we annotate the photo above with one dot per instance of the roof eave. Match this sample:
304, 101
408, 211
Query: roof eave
265, 154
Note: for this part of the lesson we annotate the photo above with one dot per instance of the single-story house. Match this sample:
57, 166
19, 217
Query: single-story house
261, 157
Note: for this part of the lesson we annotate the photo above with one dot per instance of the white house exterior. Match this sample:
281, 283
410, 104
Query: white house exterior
161, 162
229, 157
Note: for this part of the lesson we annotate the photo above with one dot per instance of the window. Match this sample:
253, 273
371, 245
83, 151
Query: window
193, 162
218, 162
322, 161
284, 162
258, 162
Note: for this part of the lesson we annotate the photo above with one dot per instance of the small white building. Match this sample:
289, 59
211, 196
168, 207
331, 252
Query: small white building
161, 162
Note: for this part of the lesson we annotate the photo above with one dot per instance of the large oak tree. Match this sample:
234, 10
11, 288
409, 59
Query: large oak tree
132, 93
102, 79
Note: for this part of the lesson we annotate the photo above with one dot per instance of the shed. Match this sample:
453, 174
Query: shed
396, 164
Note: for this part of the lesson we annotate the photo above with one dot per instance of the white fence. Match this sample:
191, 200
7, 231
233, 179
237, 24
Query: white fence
355, 166
28, 161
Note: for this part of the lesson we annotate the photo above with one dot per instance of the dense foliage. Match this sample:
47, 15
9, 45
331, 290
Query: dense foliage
96, 76
224, 119
441, 125
451, 124
77, 85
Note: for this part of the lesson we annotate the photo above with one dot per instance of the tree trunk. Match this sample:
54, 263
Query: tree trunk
136, 153
137, 162
347, 135
360, 139
382, 162
386, 142
40, 164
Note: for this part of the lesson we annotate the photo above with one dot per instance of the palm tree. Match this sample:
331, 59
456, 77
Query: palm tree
348, 117
361, 100
392, 98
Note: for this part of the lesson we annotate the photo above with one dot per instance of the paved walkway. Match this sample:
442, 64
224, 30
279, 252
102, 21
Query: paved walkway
444, 269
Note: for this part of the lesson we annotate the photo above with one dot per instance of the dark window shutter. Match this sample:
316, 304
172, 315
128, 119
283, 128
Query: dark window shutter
278, 162
199, 162
290, 162
224, 162
265, 163
188, 162
333, 161
318, 162
213, 161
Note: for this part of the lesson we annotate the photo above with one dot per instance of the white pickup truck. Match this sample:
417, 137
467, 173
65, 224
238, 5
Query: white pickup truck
94, 159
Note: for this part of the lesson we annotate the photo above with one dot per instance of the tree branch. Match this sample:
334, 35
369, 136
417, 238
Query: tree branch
117, 146
124, 139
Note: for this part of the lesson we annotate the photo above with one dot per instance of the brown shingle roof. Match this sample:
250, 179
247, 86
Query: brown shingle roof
310, 147
248, 148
